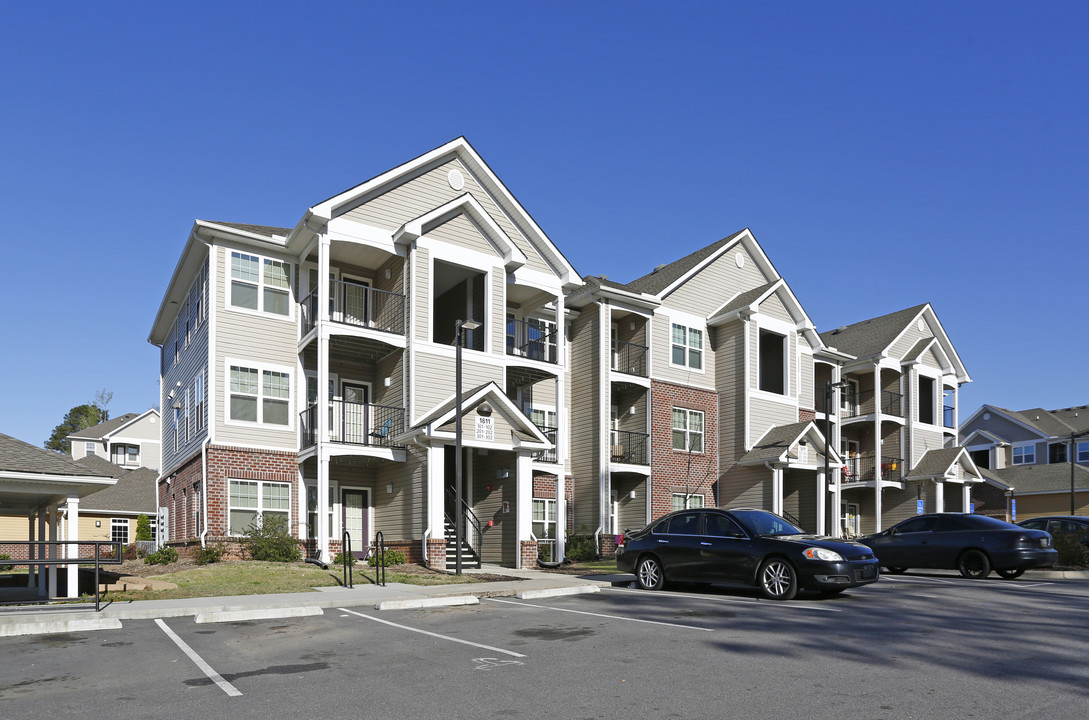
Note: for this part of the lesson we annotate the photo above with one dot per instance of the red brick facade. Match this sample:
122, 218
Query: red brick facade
677, 471
529, 554
806, 415
544, 487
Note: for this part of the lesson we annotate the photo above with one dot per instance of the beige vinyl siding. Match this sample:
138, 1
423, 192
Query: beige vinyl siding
497, 332
907, 341
924, 440
392, 367
806, 394
585, 428
898, 505
631, 512
715, 284
421, 296
744, 486
730, 381
773, 307
431, 189
401, 515
258, 339
500, 543
930, 359
435, 378
191, 361
765, 414
501, 424
662, 348
1051, 504
463, 232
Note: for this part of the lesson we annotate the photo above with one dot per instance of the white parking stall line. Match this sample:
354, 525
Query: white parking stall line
432, 634
602, 615
212, 674
741, 601
915, 578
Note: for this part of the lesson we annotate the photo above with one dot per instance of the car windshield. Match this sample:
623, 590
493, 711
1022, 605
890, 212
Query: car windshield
759, 522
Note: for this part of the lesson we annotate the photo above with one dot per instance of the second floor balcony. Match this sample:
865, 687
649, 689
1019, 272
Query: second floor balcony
862, 468
859, 404
551, 455
947, 417
350, 423
629, 447
532, 339
629, 358
356, 305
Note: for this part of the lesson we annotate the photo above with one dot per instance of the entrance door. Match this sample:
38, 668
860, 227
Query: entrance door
849, 453
356, 301
354, 519
355, 412
851, 525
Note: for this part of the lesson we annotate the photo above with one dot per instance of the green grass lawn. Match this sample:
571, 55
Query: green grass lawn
252, 577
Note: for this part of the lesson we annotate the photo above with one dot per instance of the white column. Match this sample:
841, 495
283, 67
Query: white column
877, 510
966, 497
563, 423
436, 492
777, 490
73, 545
322, 407
523, 499
31, 570
822, 502
939, 496
51, 583
605, 425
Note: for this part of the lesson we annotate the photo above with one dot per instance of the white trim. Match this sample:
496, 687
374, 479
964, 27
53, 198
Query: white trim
228, 297
1023, 444
261, 368
700, 327
259, 510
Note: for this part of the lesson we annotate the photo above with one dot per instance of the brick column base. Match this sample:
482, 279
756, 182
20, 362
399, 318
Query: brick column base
436, 554
529, 553
608, 545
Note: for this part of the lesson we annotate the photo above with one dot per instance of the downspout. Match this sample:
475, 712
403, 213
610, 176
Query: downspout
427, 508
204, 490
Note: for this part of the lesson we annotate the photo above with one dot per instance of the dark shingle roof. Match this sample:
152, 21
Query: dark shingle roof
870, 336
746, 298
266, 230
103, 429
661, 278
18, 456
935, 462
1042, 478
775, 442
135, 490
1055, 423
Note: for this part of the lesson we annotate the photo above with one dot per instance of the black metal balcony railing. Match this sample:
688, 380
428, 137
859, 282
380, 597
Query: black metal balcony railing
856, 404
548, 456
358, 305
628, 447
860, 468
947, 416
533, 339
629, 358
354, 424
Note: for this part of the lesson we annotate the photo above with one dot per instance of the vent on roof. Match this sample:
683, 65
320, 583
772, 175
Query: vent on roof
840, 329
658, 267
603, 277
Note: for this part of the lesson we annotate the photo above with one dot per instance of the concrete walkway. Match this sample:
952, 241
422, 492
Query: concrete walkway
39, 619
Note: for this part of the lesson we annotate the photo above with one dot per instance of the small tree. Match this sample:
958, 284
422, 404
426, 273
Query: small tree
143, 528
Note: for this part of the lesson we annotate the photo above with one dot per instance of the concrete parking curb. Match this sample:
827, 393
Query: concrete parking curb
218, 616
417, 603
47, 627
556, 592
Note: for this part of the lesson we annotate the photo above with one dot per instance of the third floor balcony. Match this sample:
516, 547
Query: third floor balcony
356, 305
861, 404
629, 358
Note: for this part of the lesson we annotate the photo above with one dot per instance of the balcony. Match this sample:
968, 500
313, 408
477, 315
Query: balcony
357, 305
551, 455
947, 416
532, 339
860, 468
857, 404
629, 358
628, 447
352, 423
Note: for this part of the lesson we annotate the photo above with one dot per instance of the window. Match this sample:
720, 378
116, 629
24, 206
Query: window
1024, 454
687, 430
89, 448
126, 455
260, 284
259, 395
926, 400
772, 362
119, 530
1083, 452
459, 294
542, 417
721, 526
177, 425
188, 418
252, 500
544, 518
1056, 453
183, 323
154, 528
694, 501
687, 347
198, 400
685, 524
312, 509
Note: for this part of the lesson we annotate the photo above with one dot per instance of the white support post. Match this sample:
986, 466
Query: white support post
939, 496
31, 570
43, 552
436, 492
877, 509
51, 584
523, 499
822, 502
321, 409
777, 490
966, 497
562, 425
73, 545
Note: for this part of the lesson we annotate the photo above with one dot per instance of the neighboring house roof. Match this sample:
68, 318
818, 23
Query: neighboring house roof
991, 478
135, 491
939, 463
21, 457
665, 275
1048, 423
1041, 478
870, 337
987, 436
97, 432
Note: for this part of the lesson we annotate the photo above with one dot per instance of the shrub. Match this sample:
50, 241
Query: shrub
143, 528
339, 559
271, 540
162, 556
129, 552
390, 557
5, 568
581, 548
1072, 553
209, 555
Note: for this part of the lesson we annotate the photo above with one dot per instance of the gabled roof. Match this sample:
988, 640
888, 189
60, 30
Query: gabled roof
1046, 423
135, 491
20, 457
940, 463
744, 299
986, 437
266, 230
664, 276
872, 336
490, 391
1042, 478
109, 427
779, 440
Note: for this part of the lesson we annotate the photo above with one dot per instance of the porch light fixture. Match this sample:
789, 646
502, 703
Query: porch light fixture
458, 514
484, 409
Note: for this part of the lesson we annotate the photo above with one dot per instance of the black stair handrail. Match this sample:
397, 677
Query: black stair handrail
791, 518
347, 557
469, 514
380, 565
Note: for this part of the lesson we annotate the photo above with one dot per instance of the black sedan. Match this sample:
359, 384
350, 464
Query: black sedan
1076, 525
750, 547
972, 544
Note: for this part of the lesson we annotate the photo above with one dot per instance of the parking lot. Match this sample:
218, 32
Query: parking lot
911, 646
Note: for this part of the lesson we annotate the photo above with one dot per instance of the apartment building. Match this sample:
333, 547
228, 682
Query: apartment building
309, 372
129, 441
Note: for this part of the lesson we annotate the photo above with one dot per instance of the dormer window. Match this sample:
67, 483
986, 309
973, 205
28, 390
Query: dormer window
773, 362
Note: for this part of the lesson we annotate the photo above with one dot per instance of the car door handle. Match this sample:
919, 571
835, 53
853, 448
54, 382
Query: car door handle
706, 544
663, 541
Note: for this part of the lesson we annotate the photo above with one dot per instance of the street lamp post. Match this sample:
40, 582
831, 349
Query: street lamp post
459, 325
827, 441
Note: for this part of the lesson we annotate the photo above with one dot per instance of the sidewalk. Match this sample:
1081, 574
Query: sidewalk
39, 619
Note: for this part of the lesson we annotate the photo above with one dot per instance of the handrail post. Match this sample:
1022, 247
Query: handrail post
380, 565
346, 555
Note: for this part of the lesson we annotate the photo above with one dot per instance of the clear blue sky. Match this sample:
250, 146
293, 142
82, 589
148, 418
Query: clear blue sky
883, 154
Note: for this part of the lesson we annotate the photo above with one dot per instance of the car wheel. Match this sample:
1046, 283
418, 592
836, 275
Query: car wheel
896, 569
648, 573
778, 580
974, 564
1011, 573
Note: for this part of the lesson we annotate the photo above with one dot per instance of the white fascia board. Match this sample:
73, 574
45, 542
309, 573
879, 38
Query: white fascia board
641, 303
465, 204
939, 332
704, 263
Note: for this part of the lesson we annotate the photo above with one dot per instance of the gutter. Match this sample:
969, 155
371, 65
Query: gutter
204, 491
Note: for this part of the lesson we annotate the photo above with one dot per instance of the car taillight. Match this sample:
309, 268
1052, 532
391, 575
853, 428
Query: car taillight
620, 540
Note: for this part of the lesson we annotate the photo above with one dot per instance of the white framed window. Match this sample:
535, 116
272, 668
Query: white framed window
312, 509
183, 322
1024, 454
198, 400
694, 501
89, 448
125, 455
687, 430
259, 394
188, 417
686, 347
154, 528
773, 373
251, 501
177, 428
1057, 453
1083, 452
260, 284
542, 416
119, 530
544, 518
